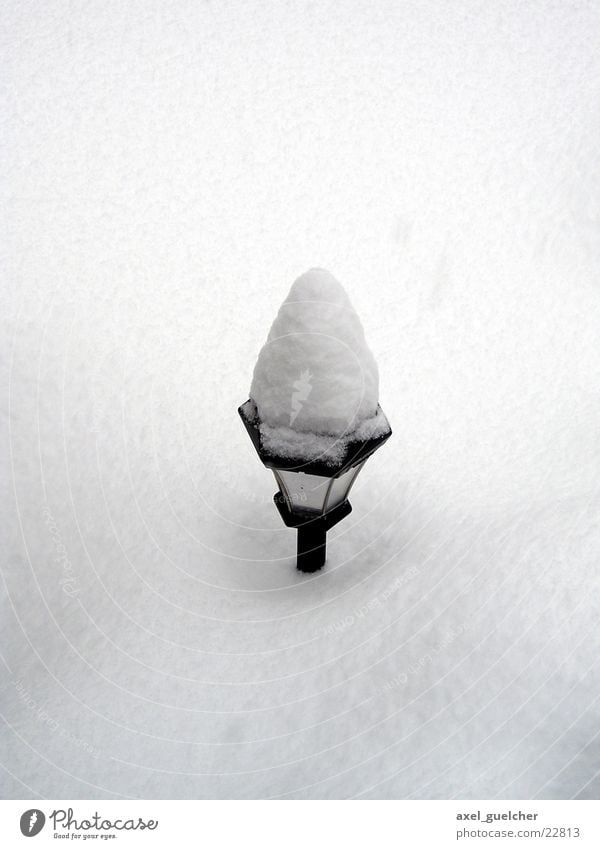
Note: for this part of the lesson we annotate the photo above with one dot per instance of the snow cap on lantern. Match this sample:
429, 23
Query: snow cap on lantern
315, 373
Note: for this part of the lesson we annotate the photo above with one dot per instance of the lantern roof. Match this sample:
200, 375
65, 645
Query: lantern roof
353, 450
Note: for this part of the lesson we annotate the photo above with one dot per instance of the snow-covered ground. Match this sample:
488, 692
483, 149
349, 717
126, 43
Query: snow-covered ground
169, 169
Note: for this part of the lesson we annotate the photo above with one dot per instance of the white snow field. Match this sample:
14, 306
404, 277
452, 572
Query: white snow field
168, 169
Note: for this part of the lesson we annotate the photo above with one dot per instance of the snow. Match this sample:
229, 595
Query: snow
315, 374
168, 168
293, 444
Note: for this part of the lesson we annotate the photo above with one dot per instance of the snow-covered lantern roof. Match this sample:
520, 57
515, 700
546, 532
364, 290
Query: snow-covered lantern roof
313, 413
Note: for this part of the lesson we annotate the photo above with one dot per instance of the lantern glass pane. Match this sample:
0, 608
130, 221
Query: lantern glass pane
302, 491
340, 487
315, 493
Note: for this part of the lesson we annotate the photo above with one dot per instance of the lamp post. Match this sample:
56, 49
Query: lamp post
313, 495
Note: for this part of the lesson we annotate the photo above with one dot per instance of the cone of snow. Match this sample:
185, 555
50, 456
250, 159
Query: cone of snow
315, 376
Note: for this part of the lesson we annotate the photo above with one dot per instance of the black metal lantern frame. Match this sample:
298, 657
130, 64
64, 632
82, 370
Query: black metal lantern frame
312, 495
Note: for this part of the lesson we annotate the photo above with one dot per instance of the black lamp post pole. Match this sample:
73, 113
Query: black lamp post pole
312, 546
312, 532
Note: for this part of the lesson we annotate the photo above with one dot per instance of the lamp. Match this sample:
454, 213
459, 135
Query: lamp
312, 495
